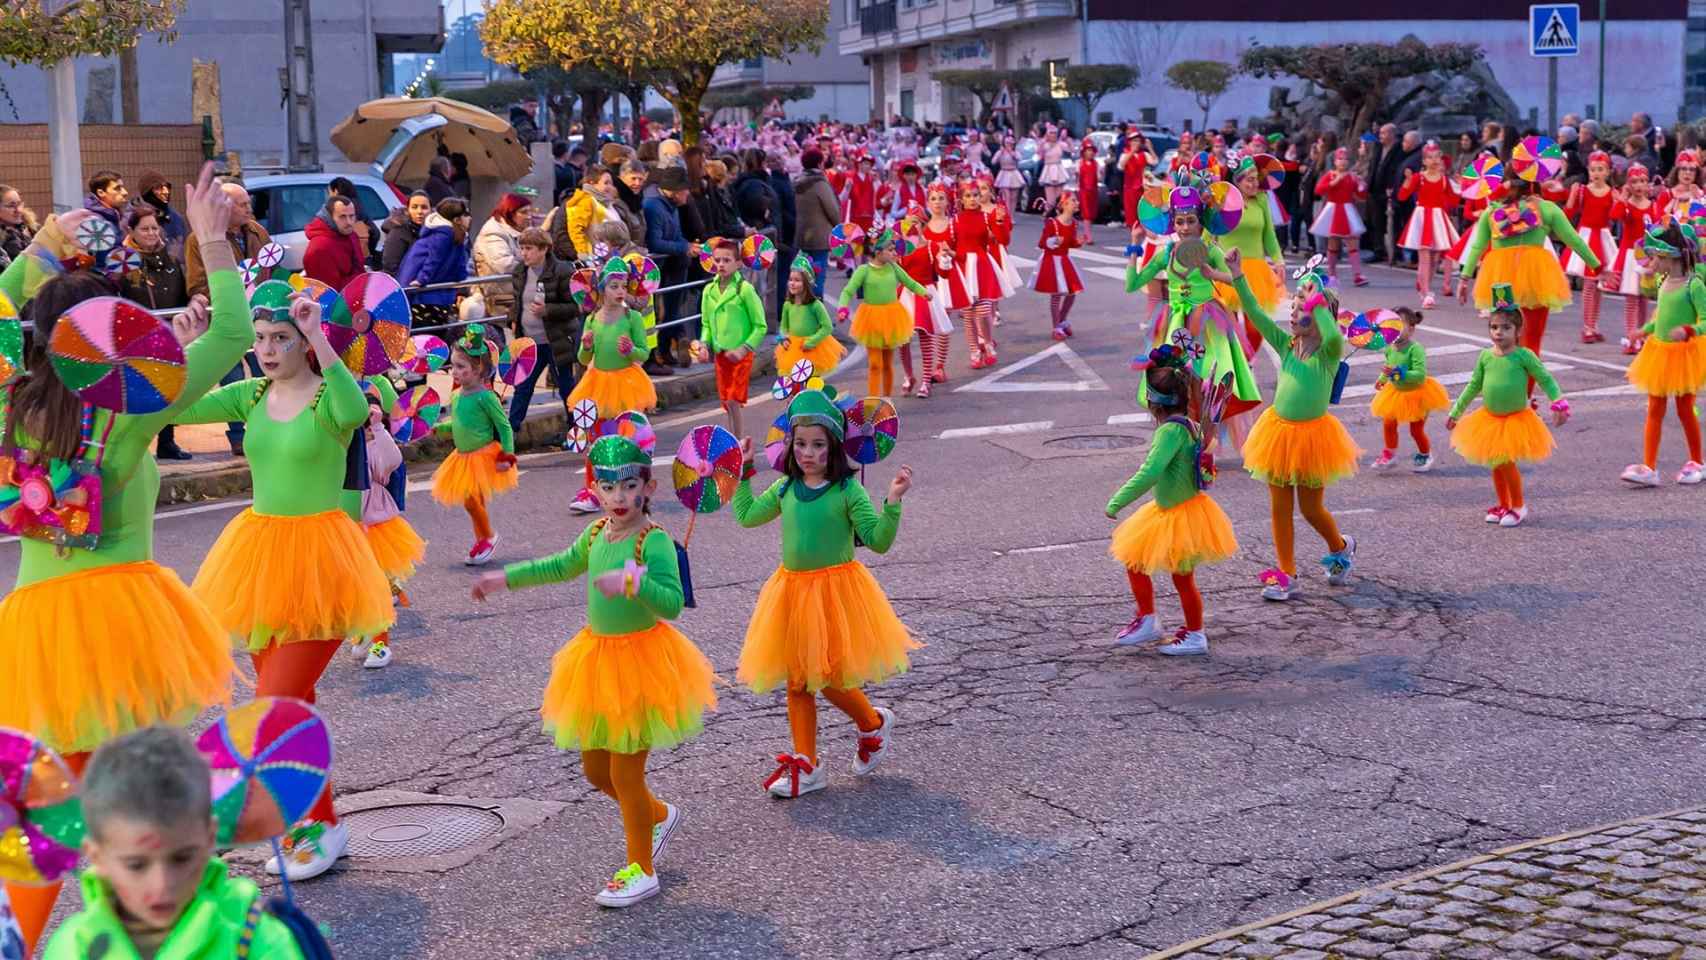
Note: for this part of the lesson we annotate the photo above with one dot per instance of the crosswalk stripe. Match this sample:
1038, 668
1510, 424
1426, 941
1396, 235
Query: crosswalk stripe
1445, 379
1366, 357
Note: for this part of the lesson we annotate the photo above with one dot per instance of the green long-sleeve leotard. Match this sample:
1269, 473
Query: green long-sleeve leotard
879, 284
1305, 385
658, 595
1553, 223
606, 352
1170, 470
477, 420
1412, 357
1682, 305
818, 524
1502, 382
807, 322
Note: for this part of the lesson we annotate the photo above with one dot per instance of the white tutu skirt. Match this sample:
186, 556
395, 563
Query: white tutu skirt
1010, 180
1339, 220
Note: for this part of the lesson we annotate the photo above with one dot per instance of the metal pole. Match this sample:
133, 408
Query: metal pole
1551, 94
1084, 33
64, 140
1601, 108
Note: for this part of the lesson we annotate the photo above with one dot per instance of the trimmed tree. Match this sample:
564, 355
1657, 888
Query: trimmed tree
81, 28
1204, 80
1089, 84
982, 83
1359, 73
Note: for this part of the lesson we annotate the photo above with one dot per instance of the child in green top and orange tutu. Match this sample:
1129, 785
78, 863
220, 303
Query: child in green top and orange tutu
806, 331
483, 463
822, 623
628, 682
1672, 360
882, 323
1406, 394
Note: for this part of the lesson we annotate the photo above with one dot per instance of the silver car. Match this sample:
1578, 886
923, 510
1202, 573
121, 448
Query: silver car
285, 202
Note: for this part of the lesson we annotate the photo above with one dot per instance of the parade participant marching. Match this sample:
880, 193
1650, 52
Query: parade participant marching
1634, 211
1338, 222
1683, 188
1257, 240
731, 328
980, 281
1298, 448
1672, 361
1056, 276
76, 673
396, 545
1590, 207
1430, 231
822, 623
612, 347
1406, 394
1008, 179
1505, 431
881, 322
1182, 528
1088, 194
929, 319
806, 332
628, 682
938, 234
483, 463
293, 577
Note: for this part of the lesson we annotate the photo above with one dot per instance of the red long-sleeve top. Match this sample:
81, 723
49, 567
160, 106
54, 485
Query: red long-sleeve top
1347, 189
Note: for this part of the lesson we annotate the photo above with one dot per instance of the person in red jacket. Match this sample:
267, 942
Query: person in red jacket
1089, 200
861, 190
1137, 158
335, 255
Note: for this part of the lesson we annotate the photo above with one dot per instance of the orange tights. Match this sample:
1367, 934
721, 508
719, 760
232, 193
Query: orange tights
1418, 433
1190, 599
1507, 483
802, 715
879, 371
1656, 427
33, 905
1311, 503
292, 670
477, 513
622, 777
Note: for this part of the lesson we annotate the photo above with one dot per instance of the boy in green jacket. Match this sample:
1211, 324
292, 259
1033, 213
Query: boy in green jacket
731, 328
153, 890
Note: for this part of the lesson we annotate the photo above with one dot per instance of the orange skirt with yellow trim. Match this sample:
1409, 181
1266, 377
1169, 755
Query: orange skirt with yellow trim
627, 692
882, 326
1264, 283
1669, 368
1408, 406
92, 655
1175, 539
465, 476
824, 357
276, 580
1308, 453
1535, 276
813, 629
1492, 439
616, 391
397, 547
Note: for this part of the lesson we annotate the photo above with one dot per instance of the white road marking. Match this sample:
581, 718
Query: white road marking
1094, 257
1445, 380
1127, 419
1545, 354
1365, 357
1113, 273
1047, 548
997, 382
1621, 390
1346, 513
963, 433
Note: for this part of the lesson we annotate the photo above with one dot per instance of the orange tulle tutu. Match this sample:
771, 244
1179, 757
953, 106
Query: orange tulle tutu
1408, 406
1263, 283
1175, 539
1669, 368
627, 692
95, 654
397, 547
1535, 276
471, 475
1289, 453
1491, 439
283, 580
813, 629
616, 391
882, 326
824, 357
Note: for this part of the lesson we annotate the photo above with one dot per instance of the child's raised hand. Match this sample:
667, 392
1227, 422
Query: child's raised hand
1234, 264
610, 583
625, 344
746, 449
586, 340
901, 483
841, 314
490, 583
1451, 423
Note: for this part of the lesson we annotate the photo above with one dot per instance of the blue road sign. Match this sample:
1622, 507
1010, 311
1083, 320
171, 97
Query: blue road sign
1554, 29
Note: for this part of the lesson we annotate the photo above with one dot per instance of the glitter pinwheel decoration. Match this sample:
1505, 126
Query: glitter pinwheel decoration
41, 822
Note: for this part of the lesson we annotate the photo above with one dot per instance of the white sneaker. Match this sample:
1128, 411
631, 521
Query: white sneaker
584, 502
1496, 513
1185, 643
310, 850
1141, 629
1382, 462
661, 831
873, 745
629, 886
378, 656
1339, 564
1513, 518
1691, 474
1421, 463
358, 650
1641, 475
795, 776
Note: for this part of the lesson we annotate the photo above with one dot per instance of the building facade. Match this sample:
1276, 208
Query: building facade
1655, 49
841, 88
351, 45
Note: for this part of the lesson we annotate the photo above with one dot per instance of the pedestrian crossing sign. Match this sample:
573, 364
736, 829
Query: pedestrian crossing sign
1554, 29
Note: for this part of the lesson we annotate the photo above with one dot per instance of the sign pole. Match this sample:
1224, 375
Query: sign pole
1600, 109
1551, 93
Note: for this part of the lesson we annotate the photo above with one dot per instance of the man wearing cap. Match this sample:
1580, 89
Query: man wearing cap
668, 247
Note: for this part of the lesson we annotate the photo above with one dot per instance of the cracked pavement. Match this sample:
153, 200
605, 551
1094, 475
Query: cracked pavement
1050, 795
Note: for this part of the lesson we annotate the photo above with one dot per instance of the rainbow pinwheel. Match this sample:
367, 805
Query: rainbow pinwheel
270, 758
707, 468
117, 356
41, 822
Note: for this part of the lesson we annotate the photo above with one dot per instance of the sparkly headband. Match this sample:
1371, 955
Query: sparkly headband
473, 341
1599, 156
1637, 169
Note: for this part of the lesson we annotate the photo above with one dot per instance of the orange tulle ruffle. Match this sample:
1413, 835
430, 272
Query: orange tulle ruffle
616, 391
1308, 453
824, 357
1408, 406
882, 325
1491, 439
471, 475
1669, 368
831, 627
1535, 276
397, 547
1175, 539
627, 692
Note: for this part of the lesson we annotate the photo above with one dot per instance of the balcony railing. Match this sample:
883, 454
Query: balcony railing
877, 18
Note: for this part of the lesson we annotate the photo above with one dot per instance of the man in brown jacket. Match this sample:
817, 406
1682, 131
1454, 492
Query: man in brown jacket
818, 211
247, 239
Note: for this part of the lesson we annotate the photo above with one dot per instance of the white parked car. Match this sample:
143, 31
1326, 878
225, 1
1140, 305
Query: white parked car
285, 202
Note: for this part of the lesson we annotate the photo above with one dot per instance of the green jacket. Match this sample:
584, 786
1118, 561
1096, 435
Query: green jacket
208, 929
730, 317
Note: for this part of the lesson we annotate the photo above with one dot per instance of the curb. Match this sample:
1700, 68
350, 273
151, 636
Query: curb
544, 429
1319, 906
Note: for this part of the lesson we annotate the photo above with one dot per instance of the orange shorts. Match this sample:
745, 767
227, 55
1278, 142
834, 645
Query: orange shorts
734, 378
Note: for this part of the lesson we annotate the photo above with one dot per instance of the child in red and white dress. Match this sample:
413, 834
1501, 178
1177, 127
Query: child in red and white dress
906, 193
938, 234
1589, 208
1633, 212
1684, 186
929, 317
1056, 276
1430, 231
1339, 223
861, 189
1001, 228
980, 282
1088, 197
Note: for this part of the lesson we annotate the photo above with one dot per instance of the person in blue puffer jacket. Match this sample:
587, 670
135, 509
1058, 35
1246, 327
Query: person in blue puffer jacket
439, 256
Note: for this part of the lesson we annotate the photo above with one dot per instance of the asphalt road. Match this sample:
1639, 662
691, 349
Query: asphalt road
1050, 795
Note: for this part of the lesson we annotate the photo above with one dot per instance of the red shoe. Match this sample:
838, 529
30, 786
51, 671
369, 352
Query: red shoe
940, 376
1360, 280
1592, 336
1059, 334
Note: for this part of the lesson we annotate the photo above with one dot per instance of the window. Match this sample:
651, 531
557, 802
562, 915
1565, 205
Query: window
914, 4
294, 206
852, 12
371, 205
906, 101
1694, 66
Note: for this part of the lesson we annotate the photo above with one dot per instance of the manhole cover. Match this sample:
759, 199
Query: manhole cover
418, 829
1095, 441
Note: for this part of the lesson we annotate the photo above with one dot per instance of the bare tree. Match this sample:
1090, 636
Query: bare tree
1146, 45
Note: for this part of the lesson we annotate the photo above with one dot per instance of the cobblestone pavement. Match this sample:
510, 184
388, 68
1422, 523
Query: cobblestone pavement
1630, 892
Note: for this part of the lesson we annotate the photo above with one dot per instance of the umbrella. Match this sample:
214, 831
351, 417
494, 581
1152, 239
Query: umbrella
487, 139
